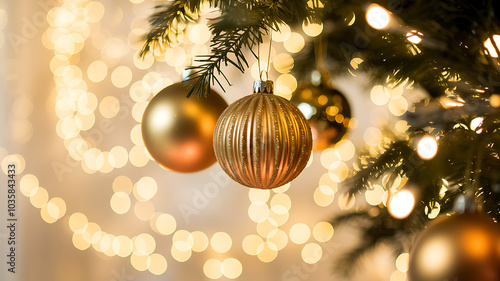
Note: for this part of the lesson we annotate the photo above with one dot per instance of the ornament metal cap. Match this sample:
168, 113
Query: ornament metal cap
265, 87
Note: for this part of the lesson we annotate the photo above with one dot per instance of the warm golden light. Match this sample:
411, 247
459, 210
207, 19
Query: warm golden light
166, 224
232, 268
253, 244
259, 195
323, 231
120, 202
402, 262
221, 242
157, 264
213, 269
427, 147
299, 233
258, 211
311, 253
375, 195
401, 204
377, 17
294, 42
414, 36
489, 46
312, 29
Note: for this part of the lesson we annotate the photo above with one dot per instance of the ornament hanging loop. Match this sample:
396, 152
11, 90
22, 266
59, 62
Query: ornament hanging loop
262, 74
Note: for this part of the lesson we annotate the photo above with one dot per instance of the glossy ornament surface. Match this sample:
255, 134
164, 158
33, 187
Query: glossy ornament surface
326, 109
262, 140
178, 132
463, 247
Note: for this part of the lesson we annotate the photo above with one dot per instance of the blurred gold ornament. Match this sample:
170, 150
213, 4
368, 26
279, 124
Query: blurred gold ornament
262, 140
178, 132
461, 247
325, 108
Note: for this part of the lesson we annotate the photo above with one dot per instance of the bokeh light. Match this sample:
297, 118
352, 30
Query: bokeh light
427, 147
401, 204
377, 17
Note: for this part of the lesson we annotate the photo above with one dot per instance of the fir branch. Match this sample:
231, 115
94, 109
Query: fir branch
162, 23
241, 27
379, 165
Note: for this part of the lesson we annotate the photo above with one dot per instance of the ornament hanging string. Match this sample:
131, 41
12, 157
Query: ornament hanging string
320, 50
261, 72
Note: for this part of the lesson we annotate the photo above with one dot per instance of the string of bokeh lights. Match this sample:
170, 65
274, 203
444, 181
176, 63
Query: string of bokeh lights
71, 25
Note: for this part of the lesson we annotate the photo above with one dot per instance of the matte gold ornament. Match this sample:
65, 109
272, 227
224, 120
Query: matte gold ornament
326, 109
262, 140
463, 247
178, 132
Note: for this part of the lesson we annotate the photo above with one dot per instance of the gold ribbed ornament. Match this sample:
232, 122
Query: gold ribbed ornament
262, 140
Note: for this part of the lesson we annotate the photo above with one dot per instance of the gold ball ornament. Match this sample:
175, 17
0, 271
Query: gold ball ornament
262, 140
463, 247
178, 131
326, 109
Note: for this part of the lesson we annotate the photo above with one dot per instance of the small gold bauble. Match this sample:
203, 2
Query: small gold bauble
462, 247
262, 140
326, 109
178, 132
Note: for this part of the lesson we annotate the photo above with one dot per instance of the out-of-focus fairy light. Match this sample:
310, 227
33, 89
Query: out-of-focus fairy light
157, 264
283, 63
221, 242
402, 262
380, 95
432, 213
427, 147
414, 36
475, 123
213, 269
401, 204
200, 241
294, 42
258, 195
323, 195
323, 231
139, 261
253, 244
299, 233
120, 202
489, 46
279, 239
377, 17
398, 276
311, 253
258, 211
166, 224
312, 29
232, 268
281, 35
375, 195
268, 253
495, 100
281, 203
